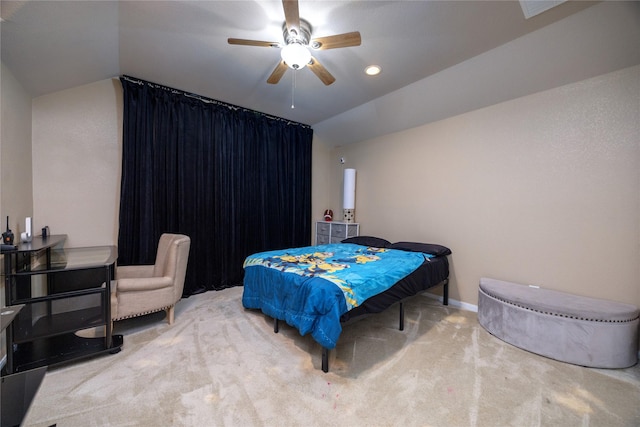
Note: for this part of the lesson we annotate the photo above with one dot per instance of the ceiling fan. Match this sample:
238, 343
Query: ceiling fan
295, 52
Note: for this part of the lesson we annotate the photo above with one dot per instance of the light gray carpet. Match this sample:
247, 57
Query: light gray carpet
221, 365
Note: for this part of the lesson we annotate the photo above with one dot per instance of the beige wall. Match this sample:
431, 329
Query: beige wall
77, 145
16, 191
321, 180
543, 189
16, 199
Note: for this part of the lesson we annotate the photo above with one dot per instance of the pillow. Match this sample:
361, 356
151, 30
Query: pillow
427, 248
375, 242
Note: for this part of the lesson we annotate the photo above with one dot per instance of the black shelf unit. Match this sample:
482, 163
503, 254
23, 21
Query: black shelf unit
65, 292
60, 349
58, 324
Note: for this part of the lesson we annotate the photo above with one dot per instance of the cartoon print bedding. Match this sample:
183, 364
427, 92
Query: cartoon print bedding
312, 287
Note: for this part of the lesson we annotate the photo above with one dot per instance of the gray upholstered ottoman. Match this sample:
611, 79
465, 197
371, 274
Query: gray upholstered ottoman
569, 328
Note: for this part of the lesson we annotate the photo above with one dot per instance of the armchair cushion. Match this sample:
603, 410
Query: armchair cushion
143, 284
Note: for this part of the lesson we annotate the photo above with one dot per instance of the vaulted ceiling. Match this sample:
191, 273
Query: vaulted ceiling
55, 45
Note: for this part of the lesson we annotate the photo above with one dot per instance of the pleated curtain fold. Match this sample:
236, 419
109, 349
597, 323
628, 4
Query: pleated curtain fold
235, 180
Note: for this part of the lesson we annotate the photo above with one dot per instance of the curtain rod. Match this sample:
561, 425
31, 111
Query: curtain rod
210, 100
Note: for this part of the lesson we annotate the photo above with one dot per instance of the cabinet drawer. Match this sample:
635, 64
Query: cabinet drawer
322, 239
339, 230
322, 228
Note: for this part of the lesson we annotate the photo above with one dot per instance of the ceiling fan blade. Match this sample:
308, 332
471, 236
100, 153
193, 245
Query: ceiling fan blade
339, 40
245, 42
277, 74
322, 73
291, 16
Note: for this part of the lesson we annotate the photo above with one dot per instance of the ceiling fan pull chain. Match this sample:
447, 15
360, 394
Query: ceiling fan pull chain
293, 89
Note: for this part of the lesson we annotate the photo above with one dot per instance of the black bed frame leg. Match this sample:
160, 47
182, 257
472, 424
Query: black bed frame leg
276, 326
325, 359
401, 316
445, 293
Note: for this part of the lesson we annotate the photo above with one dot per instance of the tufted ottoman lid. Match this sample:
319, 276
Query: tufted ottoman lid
559, 303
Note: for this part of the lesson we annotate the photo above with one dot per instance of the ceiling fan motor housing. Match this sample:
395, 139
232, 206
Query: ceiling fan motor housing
302, 36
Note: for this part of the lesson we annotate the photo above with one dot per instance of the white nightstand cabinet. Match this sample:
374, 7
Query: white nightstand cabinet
335, 232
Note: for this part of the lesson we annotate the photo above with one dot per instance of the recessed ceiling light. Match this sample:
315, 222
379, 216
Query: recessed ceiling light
373, 70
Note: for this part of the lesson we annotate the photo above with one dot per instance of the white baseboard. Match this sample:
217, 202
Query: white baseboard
454, 303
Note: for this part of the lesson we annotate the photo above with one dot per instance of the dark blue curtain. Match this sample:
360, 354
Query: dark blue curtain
236, 181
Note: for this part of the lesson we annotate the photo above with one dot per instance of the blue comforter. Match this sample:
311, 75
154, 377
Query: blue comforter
311, 287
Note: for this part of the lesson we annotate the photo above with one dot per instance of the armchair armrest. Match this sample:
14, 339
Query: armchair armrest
143, 284
134, 271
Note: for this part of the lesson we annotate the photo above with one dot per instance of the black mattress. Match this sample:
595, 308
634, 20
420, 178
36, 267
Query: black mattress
432, 272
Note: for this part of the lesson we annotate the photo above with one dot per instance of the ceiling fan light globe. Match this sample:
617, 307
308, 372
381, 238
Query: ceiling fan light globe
295, 55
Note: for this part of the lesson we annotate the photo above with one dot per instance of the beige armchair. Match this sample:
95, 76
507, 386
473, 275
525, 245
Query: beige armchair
143, 289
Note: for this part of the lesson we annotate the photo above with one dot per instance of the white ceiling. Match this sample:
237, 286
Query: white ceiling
55, 45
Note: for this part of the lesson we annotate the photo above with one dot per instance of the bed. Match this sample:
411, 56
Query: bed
317, 289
